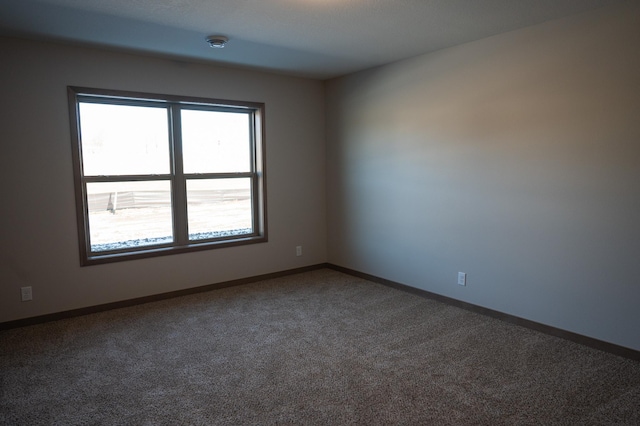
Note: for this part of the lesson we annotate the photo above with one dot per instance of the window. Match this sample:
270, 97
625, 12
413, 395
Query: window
163, 174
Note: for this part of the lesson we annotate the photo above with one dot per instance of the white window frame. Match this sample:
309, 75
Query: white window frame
177, 177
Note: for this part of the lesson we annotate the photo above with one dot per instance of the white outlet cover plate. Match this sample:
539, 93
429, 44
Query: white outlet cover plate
462, 278
26, 293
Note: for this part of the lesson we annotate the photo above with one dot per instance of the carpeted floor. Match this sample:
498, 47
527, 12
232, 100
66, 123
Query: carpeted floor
315, 348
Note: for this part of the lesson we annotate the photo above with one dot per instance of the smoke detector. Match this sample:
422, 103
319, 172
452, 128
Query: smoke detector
217, 41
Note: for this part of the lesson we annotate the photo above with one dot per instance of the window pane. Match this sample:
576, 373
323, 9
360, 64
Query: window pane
129, 214
215, 142
219, 207
124, 140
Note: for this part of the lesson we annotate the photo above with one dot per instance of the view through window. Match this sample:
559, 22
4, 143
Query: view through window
161, 174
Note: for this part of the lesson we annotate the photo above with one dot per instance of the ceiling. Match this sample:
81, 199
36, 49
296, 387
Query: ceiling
309, 38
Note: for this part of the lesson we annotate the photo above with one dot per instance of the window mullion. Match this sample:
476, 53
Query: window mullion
178, 183
125, 178
218, 175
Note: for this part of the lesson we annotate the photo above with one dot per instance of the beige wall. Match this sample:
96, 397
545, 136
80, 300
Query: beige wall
515, 159
39, 239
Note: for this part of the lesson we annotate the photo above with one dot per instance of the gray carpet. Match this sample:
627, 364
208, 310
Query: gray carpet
315, 348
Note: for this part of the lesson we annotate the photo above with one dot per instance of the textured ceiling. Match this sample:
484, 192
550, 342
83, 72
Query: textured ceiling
311, 38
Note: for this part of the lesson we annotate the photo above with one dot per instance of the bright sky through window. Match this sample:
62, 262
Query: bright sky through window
124, 140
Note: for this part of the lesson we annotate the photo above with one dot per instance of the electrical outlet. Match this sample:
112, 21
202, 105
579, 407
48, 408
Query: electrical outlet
462, 278
26, 293
298, 250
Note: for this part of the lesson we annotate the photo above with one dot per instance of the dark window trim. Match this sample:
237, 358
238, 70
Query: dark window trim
172, 103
